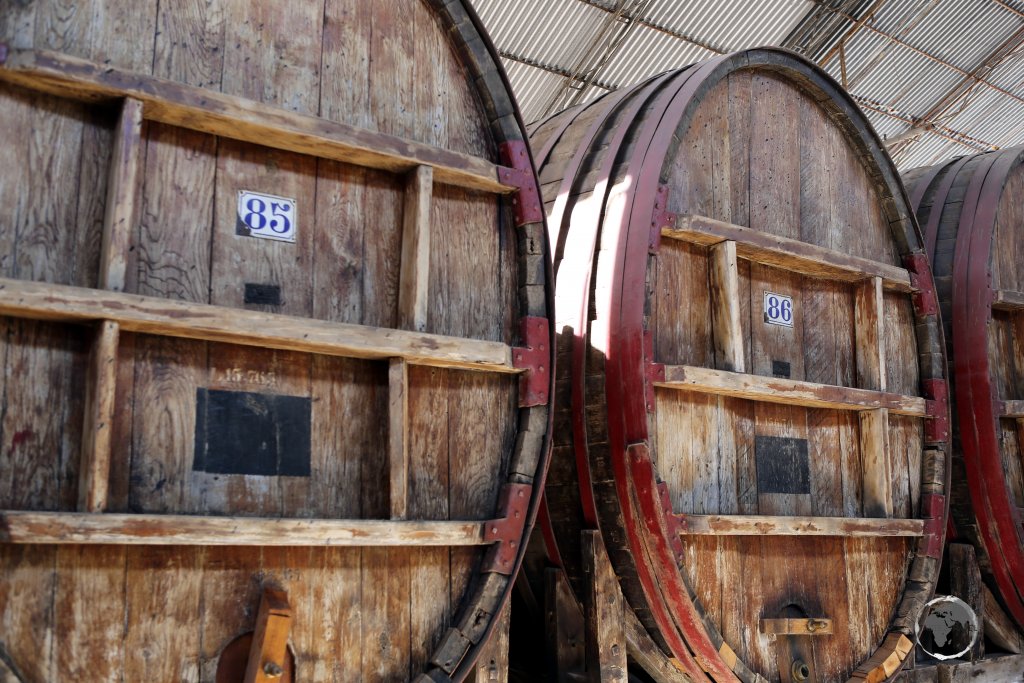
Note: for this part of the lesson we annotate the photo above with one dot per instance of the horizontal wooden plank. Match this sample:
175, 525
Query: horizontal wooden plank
797, 627
1012, 409
238, 118
788, 254
787, 391
756, 525
151, 315
18, 526
1007, 300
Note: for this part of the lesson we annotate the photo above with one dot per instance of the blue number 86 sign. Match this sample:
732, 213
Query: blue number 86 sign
265, 216
778, 309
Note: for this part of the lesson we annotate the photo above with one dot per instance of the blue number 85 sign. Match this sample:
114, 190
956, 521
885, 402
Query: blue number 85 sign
265, 216
778, 309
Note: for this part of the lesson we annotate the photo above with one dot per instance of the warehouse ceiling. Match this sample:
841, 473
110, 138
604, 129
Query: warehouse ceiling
937, 78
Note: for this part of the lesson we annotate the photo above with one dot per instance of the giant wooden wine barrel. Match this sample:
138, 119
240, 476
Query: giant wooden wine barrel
970, 212
276, 354
751, 395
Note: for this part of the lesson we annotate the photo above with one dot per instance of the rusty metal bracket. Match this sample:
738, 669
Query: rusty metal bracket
936, 425
535, 358
933, 510
660, 218
653, 372
925, 301
517, 171
506, 532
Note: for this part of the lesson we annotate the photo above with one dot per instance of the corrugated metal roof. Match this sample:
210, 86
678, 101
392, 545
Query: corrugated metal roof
901, 62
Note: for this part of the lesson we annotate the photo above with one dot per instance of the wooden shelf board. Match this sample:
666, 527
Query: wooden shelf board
788, 254
1007, 300
138, 529
1012, 409
151, 315
753, 525
787, 391
238, 118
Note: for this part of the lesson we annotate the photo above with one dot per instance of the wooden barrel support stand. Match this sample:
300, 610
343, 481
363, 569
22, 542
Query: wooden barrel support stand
751, 399
334, 436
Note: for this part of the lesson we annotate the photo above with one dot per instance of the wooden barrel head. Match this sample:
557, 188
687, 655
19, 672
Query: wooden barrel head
970, 212
750, 370
275, 298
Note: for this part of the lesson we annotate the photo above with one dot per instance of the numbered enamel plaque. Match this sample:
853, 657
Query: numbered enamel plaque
778, 309
266, 216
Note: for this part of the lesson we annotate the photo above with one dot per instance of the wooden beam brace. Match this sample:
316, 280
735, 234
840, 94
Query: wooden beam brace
998, 626
94, 475
1006, 300
787, 391
603, 610
965, 583
398, 437
725, 307
565, 628
18, 526
122, 196
874, 448
1013, 410
415, 270
242, 119
788, 254
868, 318
118, 222
763, 525
152, 315
270, 639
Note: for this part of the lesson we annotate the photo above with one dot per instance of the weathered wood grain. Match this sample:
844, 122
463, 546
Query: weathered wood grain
241, 119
